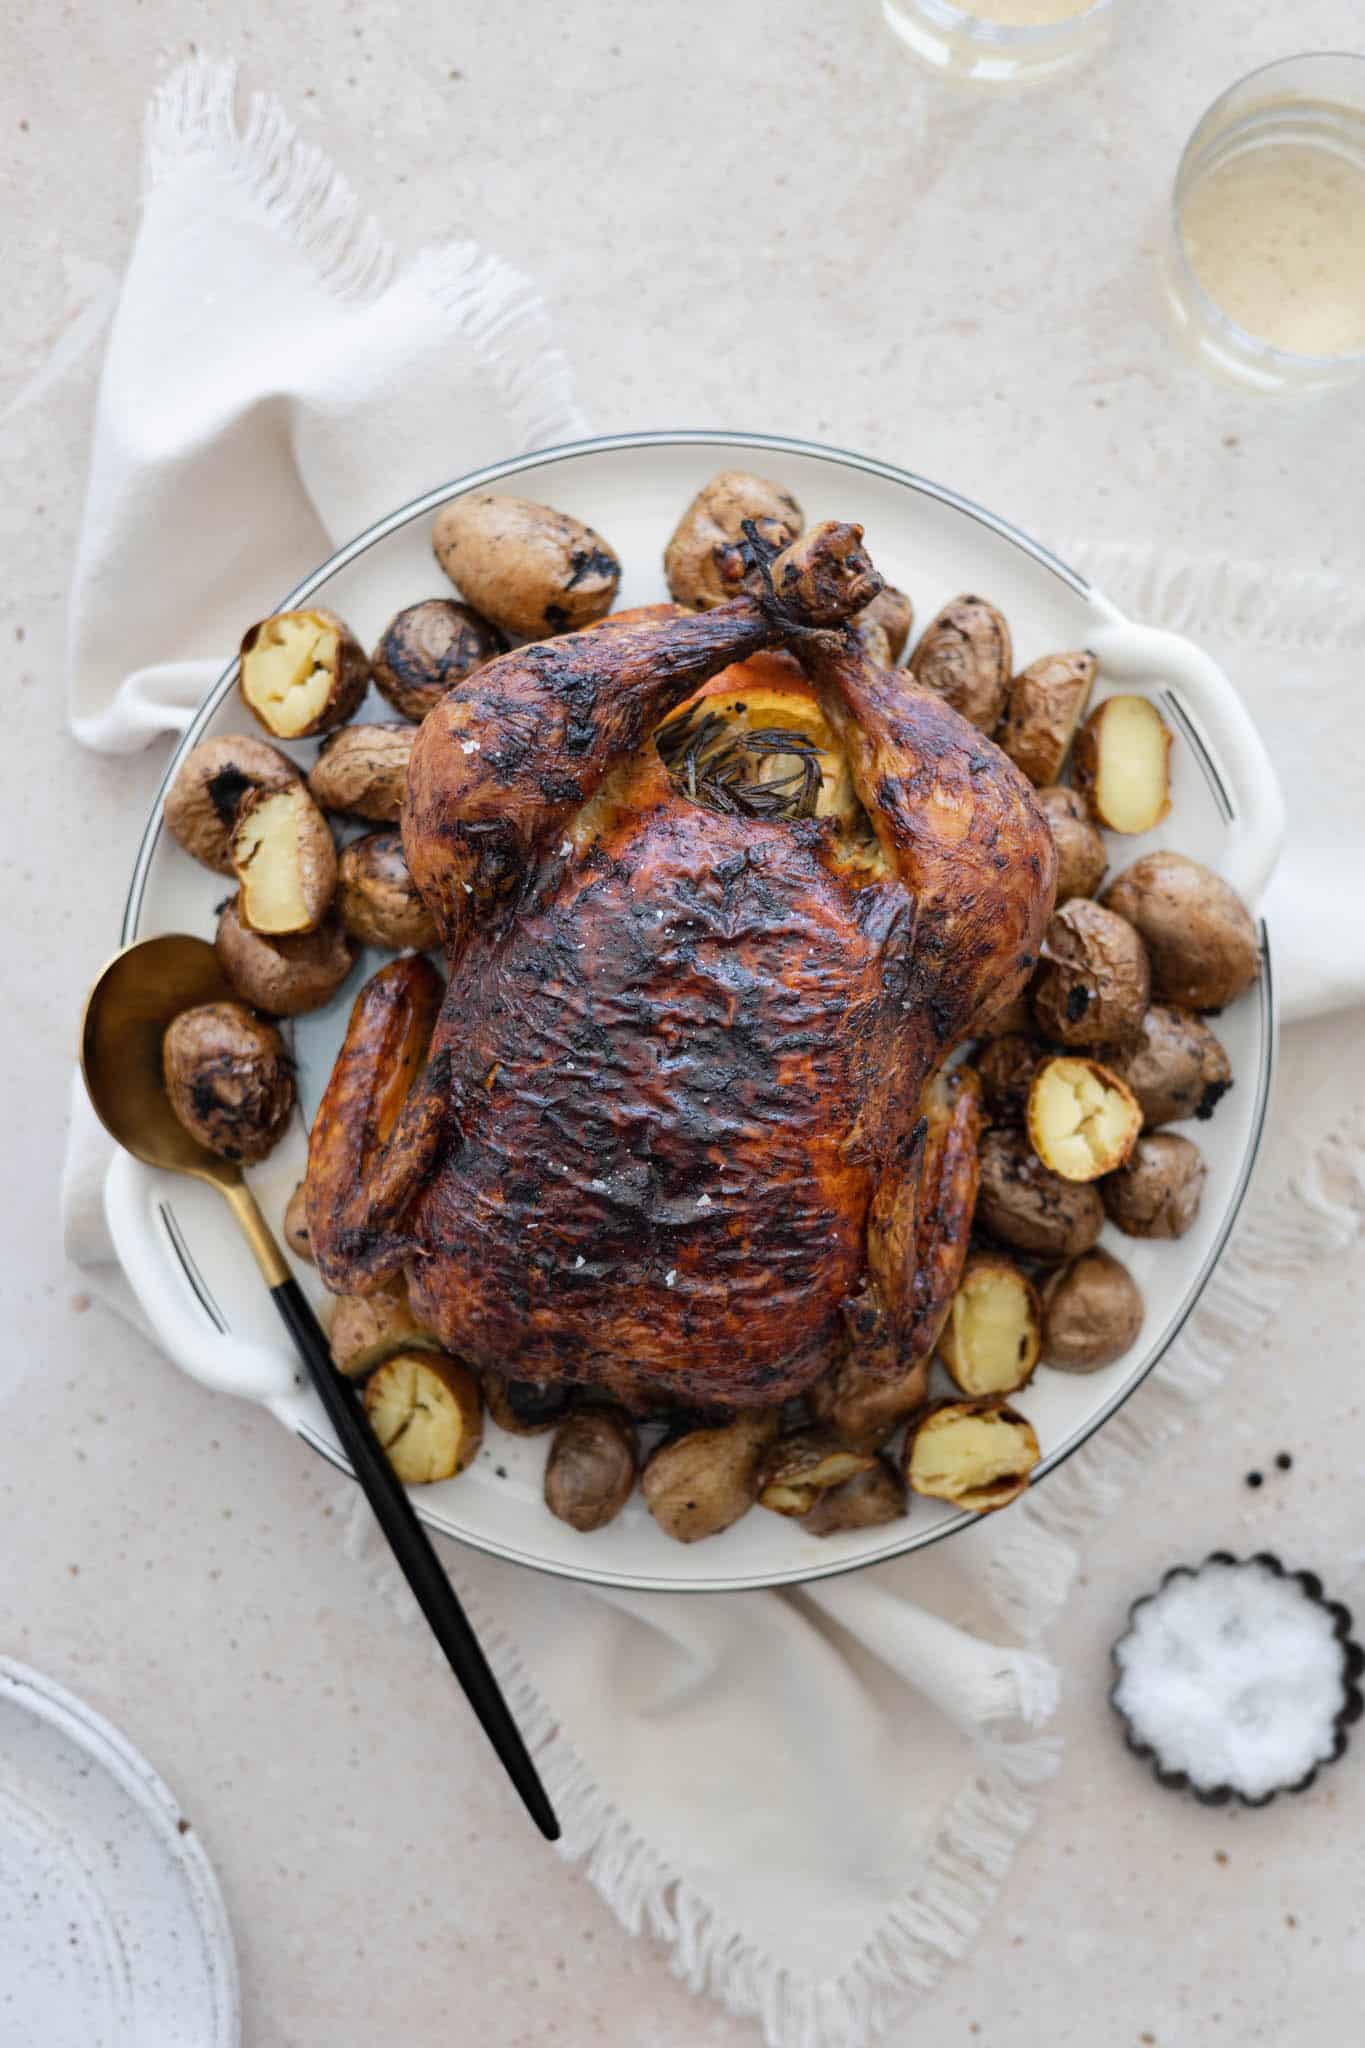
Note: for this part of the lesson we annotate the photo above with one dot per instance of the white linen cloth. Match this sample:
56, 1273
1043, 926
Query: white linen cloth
810, 1796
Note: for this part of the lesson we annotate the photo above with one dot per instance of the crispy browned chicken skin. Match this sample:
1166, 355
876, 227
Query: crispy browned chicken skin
669, 1138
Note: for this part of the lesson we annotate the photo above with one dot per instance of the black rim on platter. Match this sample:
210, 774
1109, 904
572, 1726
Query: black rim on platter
430, 502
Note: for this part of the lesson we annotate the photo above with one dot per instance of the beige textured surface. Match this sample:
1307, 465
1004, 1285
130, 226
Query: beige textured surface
755, 216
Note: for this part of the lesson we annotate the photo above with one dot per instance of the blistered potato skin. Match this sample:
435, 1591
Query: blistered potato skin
1198, 933
965, 656
528, 568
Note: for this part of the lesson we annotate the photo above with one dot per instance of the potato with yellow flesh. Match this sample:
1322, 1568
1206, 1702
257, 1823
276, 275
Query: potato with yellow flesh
424, 1408
285, 861
528, 568
202, 803
965, 656
368, 1328
991, 1339
1046, 703
1082, 1120
1199, 934
1092, 1313
1093, 981
1121, 764
799, 1468
866, 1501
972, 1454
700, 1483
302, 673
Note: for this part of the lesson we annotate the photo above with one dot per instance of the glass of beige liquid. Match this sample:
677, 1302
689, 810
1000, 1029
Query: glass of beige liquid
1000, 42
1266, 262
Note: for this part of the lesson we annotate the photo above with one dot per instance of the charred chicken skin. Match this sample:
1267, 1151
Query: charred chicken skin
715, 918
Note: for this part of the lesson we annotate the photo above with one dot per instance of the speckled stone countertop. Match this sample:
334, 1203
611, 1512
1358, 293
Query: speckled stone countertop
753, 216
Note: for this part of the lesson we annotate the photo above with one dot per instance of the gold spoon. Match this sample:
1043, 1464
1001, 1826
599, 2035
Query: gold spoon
126, 1015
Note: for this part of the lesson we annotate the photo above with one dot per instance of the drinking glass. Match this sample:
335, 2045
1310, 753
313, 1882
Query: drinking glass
1266, 258
1000, 42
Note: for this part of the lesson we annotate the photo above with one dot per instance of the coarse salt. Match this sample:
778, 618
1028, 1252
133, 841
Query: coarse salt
469, 746
670, 1276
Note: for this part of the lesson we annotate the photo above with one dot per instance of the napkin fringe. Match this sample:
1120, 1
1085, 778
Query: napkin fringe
1318, 1216
309, 204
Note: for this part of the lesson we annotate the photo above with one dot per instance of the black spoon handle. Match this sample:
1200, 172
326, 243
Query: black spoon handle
412, 1547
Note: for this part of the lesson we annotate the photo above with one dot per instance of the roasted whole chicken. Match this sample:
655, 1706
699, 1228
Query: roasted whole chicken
719, 897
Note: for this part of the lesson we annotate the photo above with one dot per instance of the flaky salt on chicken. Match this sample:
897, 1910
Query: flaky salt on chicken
719, 897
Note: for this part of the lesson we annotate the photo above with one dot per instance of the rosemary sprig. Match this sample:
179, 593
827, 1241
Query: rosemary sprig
712, 762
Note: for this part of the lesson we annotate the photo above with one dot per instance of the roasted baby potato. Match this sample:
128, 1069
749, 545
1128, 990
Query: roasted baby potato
427, 649
1121, 764
424, 1408
1198, 932
1046, 703
1175, 1066
973, 1454
1093, 982
965, 656
368, 1328
892, 610
285, 861
797, 1469
528, 568
699, 1483
591, 1468
1082, 1120
1081, 857
709, 555
991, 1339
202, 803
285, 977
865, 1501
377, 899
1092, 1313
1006, 1067
1157, 1194
302, 673
1026, 1206
229, 1079
296, 1226
526, 1407
363, 770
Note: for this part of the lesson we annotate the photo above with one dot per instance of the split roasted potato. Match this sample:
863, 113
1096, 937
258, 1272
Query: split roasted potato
363, 771
376, 898
285, 861
1081, 855
1158, 1192
1092, 1313
590, 1472
993, 1334
368, 1328
295, 1225
1121, 764
229, 1079
1023, 1204
1176, 1066
866, 1501
972, 1454
285, 977
527, 1407
202, 803
428, 648
424, 1408
709, 554
965, 656
1046, 703
528, 568
1198, 932
697, 1484
797, 1469
1082, 1120
302, 673
1093, 982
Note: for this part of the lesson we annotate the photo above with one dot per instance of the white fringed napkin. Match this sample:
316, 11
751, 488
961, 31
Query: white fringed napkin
691, 1745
